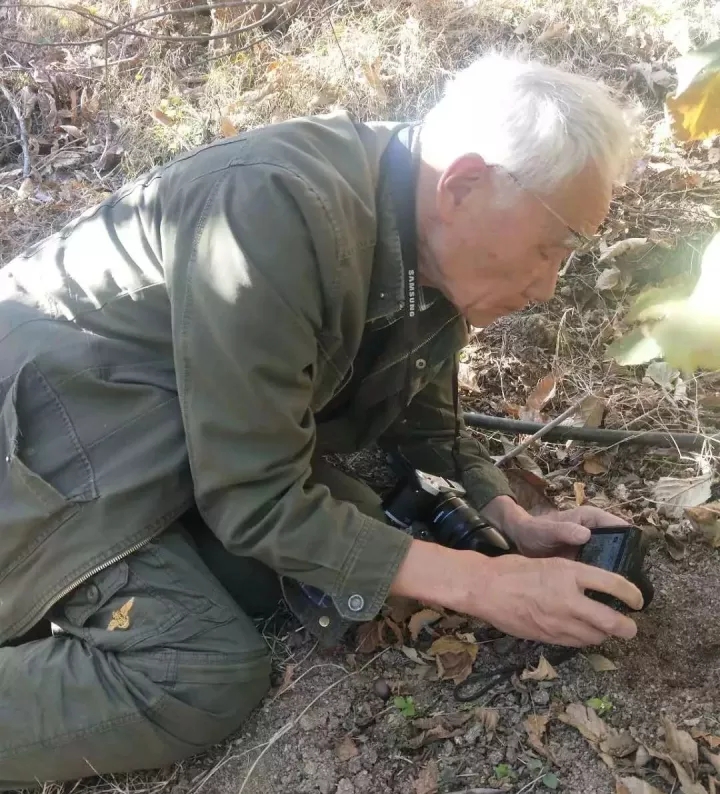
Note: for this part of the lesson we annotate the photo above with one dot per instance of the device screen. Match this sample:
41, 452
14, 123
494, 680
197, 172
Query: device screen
603, 550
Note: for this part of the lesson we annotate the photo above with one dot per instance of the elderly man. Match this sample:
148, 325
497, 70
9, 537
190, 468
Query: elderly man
204, 337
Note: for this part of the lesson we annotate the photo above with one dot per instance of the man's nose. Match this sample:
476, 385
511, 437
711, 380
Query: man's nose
543, 288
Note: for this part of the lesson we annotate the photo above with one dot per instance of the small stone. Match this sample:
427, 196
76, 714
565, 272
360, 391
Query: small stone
363, 783
370, 756
354, 766
382, 689
345, 787
504, 645
496, 757
541, 697
471, 736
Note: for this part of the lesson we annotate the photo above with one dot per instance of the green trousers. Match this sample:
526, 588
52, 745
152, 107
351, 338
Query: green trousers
152, 660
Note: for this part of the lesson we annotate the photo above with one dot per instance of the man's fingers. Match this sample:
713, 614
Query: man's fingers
606, 620
593, 578
570, 533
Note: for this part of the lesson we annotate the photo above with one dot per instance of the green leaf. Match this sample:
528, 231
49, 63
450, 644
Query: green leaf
634, 348
551, 781
601, 705
502, 771
405, 705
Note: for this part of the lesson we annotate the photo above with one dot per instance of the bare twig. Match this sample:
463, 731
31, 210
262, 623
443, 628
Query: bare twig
290, 725
23, 131
515, 451
128, 26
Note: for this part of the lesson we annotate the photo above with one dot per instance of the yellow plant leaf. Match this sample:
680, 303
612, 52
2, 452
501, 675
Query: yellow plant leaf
227, 128
695, 108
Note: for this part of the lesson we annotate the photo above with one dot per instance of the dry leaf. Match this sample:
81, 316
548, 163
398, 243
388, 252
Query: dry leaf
454, 657
621, 248
554, 31
347, 749
227, 128
708, 738
706, 520
589, 414
421, 619
528, 22
72, 130
467, 379
543, 672
579, 488
642, 757
675, 546
397, 632
529, 490
413, 654
543, 391
369, 636
428, 779
161, 117
600, 664
371, 70
619, 745
287, 678
26, 189
661, 373
712, 758
633, 785
675, 493
681, 745
594, 465
455, 666
452, 622
535, 726
608, 279
488, 718
585, 720
400, 608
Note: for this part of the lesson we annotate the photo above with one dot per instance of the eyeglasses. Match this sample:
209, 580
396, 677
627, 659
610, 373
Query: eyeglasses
576, 239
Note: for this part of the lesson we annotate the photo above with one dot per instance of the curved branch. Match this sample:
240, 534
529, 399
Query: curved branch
126, 28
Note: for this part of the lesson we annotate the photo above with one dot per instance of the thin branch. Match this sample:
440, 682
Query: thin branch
290, 725
515, 451
127, 28
23, 131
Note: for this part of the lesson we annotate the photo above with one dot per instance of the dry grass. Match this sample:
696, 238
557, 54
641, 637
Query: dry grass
385, 60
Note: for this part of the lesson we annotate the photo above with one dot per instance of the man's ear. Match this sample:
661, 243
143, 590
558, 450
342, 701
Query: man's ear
457, 183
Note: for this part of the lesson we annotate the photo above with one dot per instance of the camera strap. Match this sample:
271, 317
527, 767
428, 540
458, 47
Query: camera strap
403, 156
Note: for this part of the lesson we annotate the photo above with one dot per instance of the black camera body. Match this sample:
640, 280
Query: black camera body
434, 508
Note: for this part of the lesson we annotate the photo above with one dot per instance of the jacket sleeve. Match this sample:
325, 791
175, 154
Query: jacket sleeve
425, 436
248, 311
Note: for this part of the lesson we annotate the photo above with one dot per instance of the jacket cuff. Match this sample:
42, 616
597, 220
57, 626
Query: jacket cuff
369, 569
483, 482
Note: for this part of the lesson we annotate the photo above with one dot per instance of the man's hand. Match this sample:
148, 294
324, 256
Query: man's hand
536, 599
555, 533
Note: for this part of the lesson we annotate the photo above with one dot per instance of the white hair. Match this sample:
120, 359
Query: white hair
541, 123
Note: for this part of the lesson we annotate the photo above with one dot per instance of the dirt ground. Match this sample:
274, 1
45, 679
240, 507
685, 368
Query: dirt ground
374, 715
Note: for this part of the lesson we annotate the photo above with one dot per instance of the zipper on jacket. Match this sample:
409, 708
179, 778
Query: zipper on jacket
88, 575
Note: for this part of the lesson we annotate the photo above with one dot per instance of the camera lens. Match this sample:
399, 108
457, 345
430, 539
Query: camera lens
457, 525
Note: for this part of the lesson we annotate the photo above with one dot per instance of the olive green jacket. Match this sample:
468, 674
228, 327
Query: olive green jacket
175, 343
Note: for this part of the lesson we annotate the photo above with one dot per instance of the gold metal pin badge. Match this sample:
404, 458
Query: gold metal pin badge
121, 617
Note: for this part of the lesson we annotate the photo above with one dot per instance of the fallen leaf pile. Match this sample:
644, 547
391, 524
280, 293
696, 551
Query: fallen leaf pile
677, 762
403, 621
